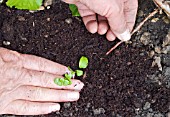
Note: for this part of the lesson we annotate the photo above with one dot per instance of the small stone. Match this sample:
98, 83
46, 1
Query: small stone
145, 38
154, 20
46, 36
140, 13
67, 114
166, 41
48, 19
98, 111
166, 71
67, 105
150, 110
149, 115
157, 49
86, 109
88, 105
158, 115
24, 39
48, 7
21, 18
157, 61
6, 43
129, 63
166, 60
68, 20
166, 50
166, 20
48, 3
57, 113
142, 54
151, 54
146, 106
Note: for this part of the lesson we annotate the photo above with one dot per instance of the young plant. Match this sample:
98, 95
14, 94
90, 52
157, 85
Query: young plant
25, 4
83, 63
74, 10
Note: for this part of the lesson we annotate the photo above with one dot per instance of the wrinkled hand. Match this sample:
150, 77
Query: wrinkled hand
27, 84
115, 18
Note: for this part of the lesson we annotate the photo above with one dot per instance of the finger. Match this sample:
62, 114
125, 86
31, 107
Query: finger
91, 23
44, 79
84, 10
21, 107
32, 93
110, 35
32, 62
130, 11
41, 64
118, 23
103, 25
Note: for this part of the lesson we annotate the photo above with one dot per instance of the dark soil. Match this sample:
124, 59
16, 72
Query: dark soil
117, 84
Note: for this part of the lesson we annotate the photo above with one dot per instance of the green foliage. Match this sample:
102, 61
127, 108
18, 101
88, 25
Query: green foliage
79, 72
74, 10
67, 77
83, 63
25, 4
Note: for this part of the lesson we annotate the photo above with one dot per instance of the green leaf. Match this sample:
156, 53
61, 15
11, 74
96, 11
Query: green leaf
83, 63
68, 76
61, 80
57, 81
66, 82
25, 4
79, 72
74, 10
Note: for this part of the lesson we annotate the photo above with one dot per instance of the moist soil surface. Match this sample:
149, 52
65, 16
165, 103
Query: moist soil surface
115, 85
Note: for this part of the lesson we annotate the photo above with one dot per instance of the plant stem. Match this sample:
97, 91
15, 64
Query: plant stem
135, 30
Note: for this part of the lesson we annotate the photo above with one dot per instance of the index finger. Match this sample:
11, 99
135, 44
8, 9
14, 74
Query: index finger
41, 64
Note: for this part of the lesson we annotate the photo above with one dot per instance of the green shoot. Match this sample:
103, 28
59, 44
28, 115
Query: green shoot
74, 10
79, 72
25, 4
68, 76
83, 63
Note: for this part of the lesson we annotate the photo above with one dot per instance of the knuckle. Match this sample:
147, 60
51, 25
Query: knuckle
24, 107
30, 93
45, 79
37, 93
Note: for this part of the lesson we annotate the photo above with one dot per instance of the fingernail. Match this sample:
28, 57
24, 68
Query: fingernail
73, 96
125, 36
78, 86
55, 107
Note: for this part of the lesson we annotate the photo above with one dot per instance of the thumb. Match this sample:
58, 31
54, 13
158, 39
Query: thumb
119, 27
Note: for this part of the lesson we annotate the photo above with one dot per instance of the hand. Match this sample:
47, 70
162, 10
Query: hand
27, 84
115, 18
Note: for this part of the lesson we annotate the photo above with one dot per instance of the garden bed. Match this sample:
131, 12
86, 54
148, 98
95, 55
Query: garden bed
115, 85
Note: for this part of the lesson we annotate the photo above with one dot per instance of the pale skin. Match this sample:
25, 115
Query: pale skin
27, 82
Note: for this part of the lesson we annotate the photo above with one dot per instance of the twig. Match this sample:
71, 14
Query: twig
114, 47
146, 19
135, 30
